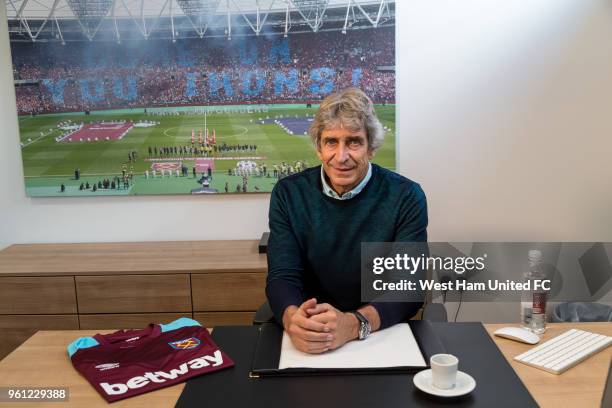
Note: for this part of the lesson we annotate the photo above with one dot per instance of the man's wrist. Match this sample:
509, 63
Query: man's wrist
354, 326
370, 313
287, 314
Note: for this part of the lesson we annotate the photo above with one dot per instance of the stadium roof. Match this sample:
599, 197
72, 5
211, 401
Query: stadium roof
116, 20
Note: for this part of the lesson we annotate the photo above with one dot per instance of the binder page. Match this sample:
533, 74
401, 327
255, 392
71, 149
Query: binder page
392, 347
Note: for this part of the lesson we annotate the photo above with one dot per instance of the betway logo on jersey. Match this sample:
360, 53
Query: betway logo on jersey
161, 376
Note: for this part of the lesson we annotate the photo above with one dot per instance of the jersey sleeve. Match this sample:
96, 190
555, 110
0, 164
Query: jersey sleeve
81, 343
179, 323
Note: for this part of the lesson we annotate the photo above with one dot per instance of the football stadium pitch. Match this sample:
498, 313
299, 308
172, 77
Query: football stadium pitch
52, 154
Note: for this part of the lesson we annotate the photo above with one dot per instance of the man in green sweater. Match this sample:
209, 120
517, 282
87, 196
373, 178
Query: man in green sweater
319, 218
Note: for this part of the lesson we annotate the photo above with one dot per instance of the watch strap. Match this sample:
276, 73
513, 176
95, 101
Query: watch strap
364, 325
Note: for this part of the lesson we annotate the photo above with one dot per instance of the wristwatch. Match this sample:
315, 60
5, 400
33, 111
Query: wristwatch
364, 325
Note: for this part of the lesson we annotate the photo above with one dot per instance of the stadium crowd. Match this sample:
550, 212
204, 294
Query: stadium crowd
301, 68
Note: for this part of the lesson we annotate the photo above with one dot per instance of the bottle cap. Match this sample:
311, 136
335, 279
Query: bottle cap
535, 255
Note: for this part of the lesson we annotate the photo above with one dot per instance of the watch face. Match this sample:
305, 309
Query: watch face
364, 330
364, 326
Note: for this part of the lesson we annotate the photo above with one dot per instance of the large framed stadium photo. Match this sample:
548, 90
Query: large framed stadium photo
142, 97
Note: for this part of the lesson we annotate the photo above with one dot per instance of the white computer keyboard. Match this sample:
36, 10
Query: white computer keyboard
565, 351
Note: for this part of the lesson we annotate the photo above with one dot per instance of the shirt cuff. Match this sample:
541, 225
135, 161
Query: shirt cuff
391, 313
282, 294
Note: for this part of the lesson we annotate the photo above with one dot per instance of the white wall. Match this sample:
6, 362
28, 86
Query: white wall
504, 118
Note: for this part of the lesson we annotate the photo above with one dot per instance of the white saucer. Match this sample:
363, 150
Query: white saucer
464, 385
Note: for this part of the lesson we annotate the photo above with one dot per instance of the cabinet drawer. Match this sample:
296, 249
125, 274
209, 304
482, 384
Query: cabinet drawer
126, 321
37, 295
228, 291
133, 293
212, 319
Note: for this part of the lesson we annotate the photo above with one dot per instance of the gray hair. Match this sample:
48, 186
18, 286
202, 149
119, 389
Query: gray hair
353, 110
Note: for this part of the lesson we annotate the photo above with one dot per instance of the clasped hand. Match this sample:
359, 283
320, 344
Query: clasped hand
318, 327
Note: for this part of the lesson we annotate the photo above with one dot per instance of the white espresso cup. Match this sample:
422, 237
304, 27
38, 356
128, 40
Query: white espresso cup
444, 370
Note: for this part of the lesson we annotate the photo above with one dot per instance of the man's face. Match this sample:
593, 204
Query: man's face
344, 155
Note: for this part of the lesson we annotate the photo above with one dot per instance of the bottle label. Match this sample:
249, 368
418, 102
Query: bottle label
539, 303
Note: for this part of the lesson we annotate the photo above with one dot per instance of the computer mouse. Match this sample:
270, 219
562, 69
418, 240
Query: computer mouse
518, 334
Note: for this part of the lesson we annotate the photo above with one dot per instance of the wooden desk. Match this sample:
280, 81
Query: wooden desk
42, 361
580, 386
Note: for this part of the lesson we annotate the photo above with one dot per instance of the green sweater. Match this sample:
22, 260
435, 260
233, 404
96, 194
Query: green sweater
315, 241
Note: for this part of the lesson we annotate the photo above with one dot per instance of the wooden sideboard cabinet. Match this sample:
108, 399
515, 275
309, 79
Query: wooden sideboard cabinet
126, 285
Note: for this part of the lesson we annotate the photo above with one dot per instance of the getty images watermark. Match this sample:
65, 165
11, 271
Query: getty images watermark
484, 271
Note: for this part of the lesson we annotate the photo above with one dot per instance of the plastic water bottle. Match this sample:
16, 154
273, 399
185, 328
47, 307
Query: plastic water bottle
533, 302
538, 307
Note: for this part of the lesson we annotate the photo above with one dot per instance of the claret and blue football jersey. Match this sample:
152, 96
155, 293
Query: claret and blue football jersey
131, 362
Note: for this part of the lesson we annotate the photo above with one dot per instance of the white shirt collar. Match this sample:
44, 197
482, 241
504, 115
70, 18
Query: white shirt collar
328, 191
